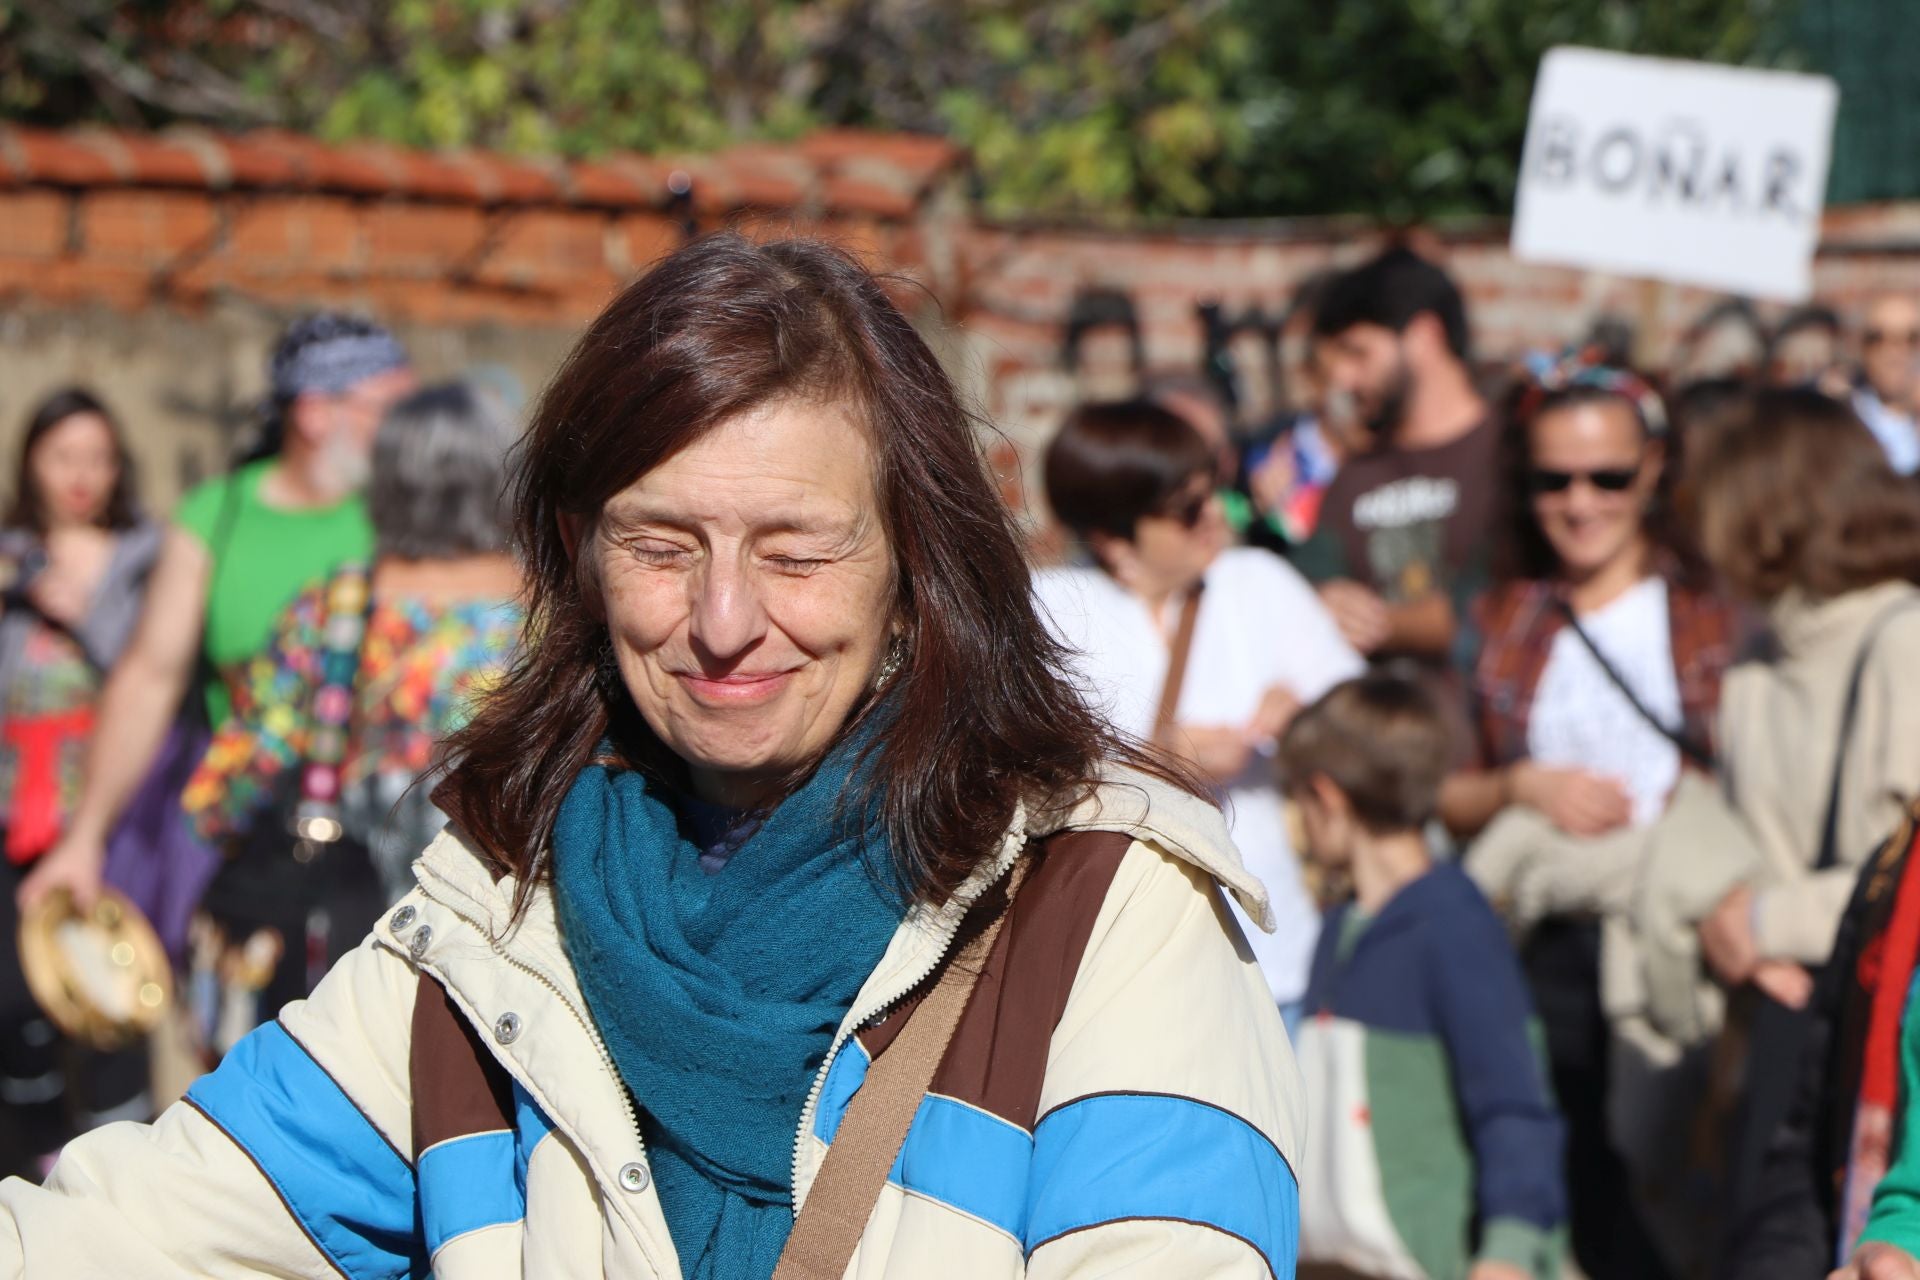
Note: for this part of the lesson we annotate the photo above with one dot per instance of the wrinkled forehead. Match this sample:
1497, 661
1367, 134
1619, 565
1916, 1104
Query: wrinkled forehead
800, 466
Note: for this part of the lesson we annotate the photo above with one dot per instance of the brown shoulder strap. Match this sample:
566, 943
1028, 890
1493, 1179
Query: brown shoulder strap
1177, 665
848, 1185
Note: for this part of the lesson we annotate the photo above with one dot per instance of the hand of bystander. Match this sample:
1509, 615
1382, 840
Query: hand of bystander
1877, 1261
1579, 802
1359, 612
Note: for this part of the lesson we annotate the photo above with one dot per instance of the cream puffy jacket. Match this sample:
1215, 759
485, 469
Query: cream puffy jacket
1119, 1101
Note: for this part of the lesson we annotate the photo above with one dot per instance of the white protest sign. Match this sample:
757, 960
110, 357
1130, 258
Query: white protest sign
1681, 171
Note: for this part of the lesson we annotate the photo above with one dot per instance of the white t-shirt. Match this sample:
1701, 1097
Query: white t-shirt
1581, 720
1259, 625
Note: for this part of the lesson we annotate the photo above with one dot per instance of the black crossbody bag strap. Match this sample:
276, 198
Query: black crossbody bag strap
1694, 751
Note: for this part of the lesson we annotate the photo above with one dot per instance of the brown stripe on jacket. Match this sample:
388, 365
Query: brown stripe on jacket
997, 1059
458, 1087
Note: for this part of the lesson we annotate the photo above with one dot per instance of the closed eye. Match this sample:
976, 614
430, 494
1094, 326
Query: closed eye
794, 564
658, 553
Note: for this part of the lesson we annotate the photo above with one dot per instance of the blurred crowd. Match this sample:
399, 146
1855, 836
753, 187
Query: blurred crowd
1570, 712
1629, 660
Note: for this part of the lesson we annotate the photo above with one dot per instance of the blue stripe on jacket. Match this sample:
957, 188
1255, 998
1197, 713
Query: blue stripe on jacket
1101, 1159
344, 1183
1116, 1156
478, 1181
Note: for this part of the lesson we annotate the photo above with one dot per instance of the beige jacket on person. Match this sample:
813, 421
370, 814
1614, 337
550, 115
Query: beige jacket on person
1118, 1101
1779, 729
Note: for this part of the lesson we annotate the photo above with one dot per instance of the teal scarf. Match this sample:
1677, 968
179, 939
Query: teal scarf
719, 994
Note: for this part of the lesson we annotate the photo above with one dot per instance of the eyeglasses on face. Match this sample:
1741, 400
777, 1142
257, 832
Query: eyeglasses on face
1542, 480
1187, 512
1880, 337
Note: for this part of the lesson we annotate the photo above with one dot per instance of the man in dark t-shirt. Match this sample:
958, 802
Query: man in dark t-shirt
1403, 528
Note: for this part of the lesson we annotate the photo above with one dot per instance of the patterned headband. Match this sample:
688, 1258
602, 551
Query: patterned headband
1579, 368
327, 353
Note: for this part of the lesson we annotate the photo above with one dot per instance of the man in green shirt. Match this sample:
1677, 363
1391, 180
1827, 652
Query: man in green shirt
239, 550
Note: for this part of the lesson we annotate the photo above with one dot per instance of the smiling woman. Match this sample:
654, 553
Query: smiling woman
786, 827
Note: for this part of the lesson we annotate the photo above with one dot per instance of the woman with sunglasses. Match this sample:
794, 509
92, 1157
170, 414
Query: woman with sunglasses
1135, 484
1595, 666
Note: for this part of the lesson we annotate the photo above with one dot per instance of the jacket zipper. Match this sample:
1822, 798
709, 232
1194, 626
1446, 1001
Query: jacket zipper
586, 1023
853, 1024
593, 1036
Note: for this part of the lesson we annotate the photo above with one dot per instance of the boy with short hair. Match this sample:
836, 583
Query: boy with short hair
1435, 1150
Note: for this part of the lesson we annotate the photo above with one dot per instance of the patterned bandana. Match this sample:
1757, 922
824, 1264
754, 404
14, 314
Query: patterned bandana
1587, 367
328, 352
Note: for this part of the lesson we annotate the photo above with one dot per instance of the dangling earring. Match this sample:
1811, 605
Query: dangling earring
890, 662
606, 673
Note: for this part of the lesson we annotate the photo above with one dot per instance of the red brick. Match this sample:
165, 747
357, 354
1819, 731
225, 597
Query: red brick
426, 176
145, 226
624, 181
847, 193
918, 154
61, 159
266, 158
543, 245
33, 223
640, 239
864, 238
422, 239
162, 163
503, 178
303, 232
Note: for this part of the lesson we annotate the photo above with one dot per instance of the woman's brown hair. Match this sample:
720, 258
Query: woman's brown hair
1797, 494
981, 711
29, 509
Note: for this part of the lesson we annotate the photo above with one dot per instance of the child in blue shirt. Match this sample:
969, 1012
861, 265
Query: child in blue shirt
1434, 1148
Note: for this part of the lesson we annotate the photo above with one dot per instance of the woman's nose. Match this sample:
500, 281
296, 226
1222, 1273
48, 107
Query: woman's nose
727, 617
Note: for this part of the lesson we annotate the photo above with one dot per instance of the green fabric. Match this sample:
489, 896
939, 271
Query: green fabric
1352, 925
263, 558
1426, 1166
1321, 558
718, 994
1238, 508
1520, 1244
1895, 1217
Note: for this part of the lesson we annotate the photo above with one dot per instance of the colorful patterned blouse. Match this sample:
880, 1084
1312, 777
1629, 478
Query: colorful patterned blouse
422, 667
51, 695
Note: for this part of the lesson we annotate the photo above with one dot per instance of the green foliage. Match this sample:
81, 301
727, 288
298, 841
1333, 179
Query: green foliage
1414, 108
1083, 108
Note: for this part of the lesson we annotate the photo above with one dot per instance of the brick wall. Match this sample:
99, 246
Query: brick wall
159, 267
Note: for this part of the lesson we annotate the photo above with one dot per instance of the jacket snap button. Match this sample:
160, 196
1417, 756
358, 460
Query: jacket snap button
401, 918
634, 1177
506, 1028
420, 940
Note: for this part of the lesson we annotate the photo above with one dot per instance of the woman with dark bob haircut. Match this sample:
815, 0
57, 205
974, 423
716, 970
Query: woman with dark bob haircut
797, 917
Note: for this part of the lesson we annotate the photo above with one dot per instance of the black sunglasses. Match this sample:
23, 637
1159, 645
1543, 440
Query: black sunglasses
1606, 479
1187, 514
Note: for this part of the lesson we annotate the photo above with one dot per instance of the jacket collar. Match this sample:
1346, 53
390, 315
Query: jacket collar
1806, 626
1127, 801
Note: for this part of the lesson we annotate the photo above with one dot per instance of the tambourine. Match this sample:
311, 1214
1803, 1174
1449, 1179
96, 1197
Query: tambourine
103, 976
